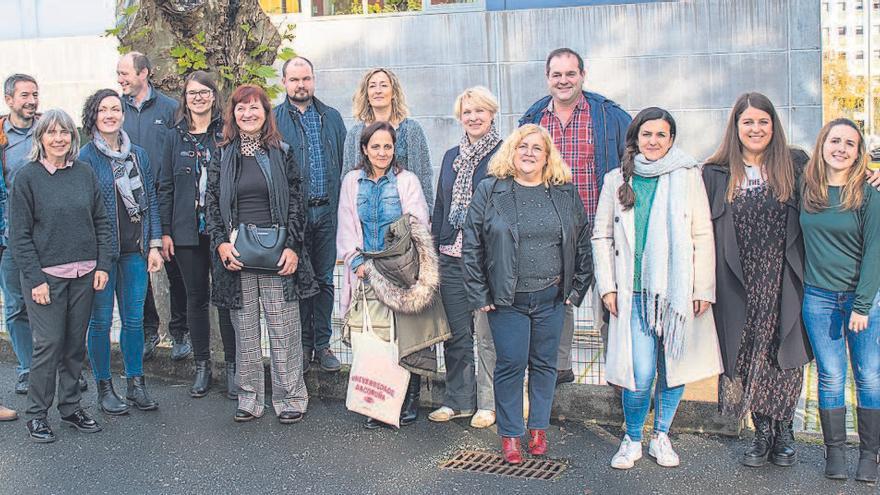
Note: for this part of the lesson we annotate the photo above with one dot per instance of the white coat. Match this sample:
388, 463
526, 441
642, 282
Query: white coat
613, 254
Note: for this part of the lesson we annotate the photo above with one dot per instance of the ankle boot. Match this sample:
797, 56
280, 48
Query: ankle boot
757, 454
202, 382
409, 413
231, 387
108, 401
869, 444
537, 442
511, 451
834, 432
372, 424
783, 453
137, 394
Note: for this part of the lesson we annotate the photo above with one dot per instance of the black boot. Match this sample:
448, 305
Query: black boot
409, 413
834, 432
108, 401
783, 453
137, 394
203, 379
869, 444
372, 424
231, 387
757, 454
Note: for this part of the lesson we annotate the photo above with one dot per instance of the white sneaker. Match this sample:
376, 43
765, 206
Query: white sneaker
661, 450
628, 453
483, 419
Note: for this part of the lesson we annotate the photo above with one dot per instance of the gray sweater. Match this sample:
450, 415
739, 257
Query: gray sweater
412, 153
56, 219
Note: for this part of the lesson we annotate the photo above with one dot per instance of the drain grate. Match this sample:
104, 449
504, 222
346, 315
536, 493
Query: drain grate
488, 463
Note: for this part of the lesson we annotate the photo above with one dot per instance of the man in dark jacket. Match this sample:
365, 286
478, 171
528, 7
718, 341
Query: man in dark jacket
589, 130
149, 114
315, 133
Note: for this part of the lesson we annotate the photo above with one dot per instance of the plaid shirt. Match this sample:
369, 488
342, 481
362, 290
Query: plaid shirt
575, 143
311, 122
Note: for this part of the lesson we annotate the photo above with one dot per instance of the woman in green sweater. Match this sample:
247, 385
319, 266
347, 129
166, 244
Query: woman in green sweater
840, 219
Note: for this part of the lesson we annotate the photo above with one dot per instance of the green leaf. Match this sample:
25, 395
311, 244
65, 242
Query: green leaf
200, 37
259, 50
200, 64
123, 49
246, 27
286, 54
177, 51
130, 10
265, 72
112, 32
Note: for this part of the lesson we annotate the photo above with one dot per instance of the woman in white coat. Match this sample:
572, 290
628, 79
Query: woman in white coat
655, 270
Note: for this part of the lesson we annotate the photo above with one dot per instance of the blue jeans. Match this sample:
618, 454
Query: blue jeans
526, 335
648, 361
316, 312
826, 317
128, 282
15, 313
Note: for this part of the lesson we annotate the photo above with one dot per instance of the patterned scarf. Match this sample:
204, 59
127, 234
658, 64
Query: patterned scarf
125, 174
465, 163
203, 158
250, 143
668, 261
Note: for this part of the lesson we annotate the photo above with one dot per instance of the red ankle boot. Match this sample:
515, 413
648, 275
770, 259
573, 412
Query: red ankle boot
510, 450
537, 442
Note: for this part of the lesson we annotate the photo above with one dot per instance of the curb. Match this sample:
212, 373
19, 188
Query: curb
597, 404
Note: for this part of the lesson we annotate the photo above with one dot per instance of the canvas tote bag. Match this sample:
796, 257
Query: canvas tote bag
376, 383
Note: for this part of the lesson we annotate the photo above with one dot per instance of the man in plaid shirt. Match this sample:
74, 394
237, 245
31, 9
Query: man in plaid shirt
589, 131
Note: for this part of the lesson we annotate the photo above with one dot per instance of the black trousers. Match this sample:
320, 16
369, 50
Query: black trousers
195, 268
177, 325
59, 330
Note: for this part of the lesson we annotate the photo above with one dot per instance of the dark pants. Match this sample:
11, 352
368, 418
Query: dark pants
316, 312
59, 330
461, 382
195, 267
526, 336
177, 325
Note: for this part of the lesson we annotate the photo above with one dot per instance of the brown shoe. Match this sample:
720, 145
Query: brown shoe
7, 414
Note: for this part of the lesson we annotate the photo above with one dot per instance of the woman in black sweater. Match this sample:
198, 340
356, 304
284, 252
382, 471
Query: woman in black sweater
60, 238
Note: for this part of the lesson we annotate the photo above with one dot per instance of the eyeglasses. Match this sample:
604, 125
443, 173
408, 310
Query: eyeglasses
204, 93
525, 149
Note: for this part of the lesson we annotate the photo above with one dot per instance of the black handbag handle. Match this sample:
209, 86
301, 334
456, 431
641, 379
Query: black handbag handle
253, 231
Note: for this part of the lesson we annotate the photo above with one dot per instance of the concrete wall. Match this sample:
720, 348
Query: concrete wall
693, 57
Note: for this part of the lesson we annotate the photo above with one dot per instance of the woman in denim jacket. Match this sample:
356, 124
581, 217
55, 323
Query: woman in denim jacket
373, 196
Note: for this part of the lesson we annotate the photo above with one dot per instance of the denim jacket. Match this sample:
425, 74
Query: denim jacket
378, 205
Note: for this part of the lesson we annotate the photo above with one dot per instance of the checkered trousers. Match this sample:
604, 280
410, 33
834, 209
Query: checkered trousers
285, 342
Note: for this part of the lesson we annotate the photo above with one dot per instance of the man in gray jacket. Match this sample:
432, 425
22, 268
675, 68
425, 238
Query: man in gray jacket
149, 114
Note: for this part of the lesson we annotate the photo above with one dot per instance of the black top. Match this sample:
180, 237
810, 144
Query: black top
539, 255
253, 194
130, 233
56, 219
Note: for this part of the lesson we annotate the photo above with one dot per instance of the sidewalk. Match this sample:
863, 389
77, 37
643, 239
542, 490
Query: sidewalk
193, 446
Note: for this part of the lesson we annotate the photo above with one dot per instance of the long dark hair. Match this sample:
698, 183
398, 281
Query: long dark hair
245, 93
90, 109
366, 135
815, 191
206, 80
625, 193
777, 164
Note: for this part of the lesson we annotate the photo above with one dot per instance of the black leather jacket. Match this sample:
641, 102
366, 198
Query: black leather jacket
490, 241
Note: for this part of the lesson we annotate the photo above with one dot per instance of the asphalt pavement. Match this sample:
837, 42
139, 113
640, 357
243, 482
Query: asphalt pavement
192, 446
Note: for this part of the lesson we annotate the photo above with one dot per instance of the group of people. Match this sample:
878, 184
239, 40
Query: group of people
746, 265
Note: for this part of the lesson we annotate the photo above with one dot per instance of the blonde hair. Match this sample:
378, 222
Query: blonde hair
361, 108
816, 179
480, 96
556, 172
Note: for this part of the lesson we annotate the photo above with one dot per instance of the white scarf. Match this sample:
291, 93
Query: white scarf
668, 259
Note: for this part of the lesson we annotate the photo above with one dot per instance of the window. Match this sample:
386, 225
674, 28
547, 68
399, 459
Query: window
860, 5
876, 29
826, 7
841, 6
281, 6
877, 54
860, 55
875, 5
826, 33
841, 30
860, 30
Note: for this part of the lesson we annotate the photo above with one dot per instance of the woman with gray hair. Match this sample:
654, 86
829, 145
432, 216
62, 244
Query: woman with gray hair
60, 238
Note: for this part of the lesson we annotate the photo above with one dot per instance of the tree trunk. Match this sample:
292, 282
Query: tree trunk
237, 33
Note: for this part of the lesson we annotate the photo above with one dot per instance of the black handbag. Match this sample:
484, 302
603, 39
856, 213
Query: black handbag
260, 248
